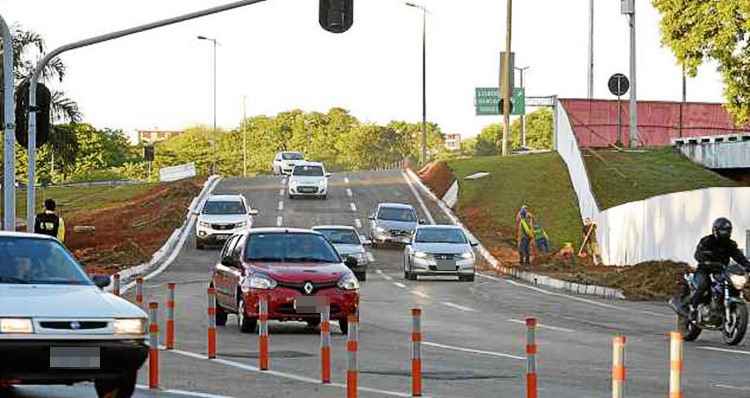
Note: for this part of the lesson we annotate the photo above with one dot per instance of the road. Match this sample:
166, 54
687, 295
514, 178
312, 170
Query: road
474, 332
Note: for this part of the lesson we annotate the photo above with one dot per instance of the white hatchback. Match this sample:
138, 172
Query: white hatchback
284, 162
309, 179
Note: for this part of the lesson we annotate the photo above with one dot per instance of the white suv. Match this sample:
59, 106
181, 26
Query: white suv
309, 179
284, 162
221, 217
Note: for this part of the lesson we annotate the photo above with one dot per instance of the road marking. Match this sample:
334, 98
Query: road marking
388, 277
281, 192
281, 205
349, 192
346, 180
358, 223
458, 307
379, 271
353, 206
728, 387
284, 375
399, 284
472, 351
370, 257
419, 198
279, 221
724, 350
184, 393
420, 294
283, 181
541, 326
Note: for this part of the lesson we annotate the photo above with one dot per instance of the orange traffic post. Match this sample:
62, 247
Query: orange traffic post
116, 284
351, 348
531, 350
211, 323
325, 345
263, 333
416, 353
153, 341
139, 291
675, 369
170, 316
618, 367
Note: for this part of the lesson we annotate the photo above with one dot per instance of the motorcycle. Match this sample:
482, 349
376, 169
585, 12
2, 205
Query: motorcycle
725, 310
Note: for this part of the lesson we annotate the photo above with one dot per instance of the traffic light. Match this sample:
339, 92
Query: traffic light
148, 153
501, 106
336, 16
43, 99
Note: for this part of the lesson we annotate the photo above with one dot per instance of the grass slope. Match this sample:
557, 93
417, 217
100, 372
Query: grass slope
72, 200
622, 177
490, 204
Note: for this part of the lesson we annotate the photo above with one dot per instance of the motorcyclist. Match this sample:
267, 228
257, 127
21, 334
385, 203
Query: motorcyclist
712, 250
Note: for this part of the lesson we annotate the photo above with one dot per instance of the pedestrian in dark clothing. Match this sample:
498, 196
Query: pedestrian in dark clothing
49, 223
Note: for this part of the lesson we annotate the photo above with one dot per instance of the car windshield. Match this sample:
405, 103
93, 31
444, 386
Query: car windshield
292, 156
340, 236
308, 171
38, 261
440, 235
216, 207
290, 247
396, 214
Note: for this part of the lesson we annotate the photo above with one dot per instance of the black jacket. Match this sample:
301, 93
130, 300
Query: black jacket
711, 249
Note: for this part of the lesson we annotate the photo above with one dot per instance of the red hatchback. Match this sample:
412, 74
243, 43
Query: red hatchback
297, 269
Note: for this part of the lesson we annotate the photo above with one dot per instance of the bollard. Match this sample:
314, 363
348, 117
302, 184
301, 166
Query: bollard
675, 369
325, 345
416, 353
170, 316
618, 367
351, 348
139, 291
116, 285
211, 323
531, 382
153, 341
263, 333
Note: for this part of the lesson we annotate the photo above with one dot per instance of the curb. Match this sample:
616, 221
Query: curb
127, 276
533, 278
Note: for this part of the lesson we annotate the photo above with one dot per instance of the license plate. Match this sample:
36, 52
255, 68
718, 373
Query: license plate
221, 237
309, 305
446, 265
74, 358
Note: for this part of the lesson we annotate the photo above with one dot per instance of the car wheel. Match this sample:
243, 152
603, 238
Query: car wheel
199, 245
221, 316
122, 387
247, 324
361, 276
344, 326
324, 197
291, 196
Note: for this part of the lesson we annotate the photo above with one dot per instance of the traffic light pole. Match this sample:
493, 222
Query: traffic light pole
30, 199
506, 89
9, 174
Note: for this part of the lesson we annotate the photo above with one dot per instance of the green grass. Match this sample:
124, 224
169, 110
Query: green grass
75, 199
541, 181
622, 177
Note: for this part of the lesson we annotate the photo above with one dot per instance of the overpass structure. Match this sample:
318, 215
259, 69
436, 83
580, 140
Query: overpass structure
717, 152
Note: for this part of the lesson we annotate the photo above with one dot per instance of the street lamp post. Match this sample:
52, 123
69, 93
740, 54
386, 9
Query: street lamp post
523, 116
424, 78
211, 140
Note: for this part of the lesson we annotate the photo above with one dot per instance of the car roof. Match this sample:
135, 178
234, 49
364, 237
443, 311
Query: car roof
11, 234
291, 152
346, 227
308, 163
269, 230
225, 198
396, 205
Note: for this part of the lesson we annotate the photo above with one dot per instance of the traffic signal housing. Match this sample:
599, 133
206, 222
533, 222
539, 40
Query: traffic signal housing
43, 99
336, 16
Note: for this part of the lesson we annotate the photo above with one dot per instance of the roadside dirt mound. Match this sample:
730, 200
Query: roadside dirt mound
438, 176
129, 234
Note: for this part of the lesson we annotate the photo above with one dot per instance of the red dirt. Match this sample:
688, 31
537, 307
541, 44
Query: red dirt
128, 234
438, 176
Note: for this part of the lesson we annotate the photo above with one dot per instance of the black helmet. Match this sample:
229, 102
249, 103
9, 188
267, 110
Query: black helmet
722, 229
50, 204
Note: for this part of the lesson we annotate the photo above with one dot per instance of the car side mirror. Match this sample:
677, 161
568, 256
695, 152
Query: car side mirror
328, 175
365, 241
229, 261
101, 281
422, 221
350, 262
253, 212
474, 244
371, 218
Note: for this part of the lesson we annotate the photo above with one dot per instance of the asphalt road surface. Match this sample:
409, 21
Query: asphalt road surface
474, 333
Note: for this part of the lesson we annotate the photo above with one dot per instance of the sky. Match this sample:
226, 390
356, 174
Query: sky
276, 55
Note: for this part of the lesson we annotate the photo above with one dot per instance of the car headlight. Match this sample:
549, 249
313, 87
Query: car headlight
130, 326
259, 282
420, 255
16, 325
204, 224
380, 229
241, 224
348, 282
738, 281
467, 255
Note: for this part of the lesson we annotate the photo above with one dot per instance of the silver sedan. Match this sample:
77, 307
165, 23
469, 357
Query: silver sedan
437, 250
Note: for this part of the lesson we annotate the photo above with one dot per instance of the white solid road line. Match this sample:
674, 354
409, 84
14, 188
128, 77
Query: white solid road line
728, 387
458, 307
281, 205
349, 192
358, 223
724, 350
370, 257
419, 198
542, 326
353, 206
279, 221
183, 393
472, 351
399, 284
420, 294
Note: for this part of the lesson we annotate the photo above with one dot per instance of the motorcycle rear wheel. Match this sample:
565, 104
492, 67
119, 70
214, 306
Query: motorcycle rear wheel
690, 331
738, 329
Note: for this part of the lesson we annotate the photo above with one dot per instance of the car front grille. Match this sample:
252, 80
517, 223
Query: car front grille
307, 189
444, 256
222, 227
300, 286
73, 325
398, 232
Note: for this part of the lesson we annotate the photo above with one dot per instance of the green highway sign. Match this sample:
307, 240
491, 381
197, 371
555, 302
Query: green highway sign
487, 101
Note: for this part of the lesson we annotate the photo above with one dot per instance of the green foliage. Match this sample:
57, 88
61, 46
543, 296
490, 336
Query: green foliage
701, 30
539, 129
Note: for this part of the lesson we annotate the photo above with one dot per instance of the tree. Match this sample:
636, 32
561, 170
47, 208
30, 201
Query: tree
701, 30
539, 129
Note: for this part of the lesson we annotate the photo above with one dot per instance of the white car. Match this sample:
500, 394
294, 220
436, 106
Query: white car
221, 217
437, 250
58, 327
284, 162
309, 179
348, 243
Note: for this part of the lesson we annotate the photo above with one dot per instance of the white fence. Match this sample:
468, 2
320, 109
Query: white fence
174, 173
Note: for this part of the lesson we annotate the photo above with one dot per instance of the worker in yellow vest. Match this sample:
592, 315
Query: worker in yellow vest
524, 234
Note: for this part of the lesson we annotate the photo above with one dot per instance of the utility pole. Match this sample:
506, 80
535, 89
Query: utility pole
633, 85
9, 157
244, 136
684, 98
590, 63
506, 89
523, 116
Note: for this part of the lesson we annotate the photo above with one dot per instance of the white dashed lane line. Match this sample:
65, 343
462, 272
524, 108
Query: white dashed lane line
279, 221
727, 350
541, 326
420, 294
458, 307
281, 205
281, 192
349, 192
346, 180
370, 257
472, 351
353, 206
399, 284
358, 223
